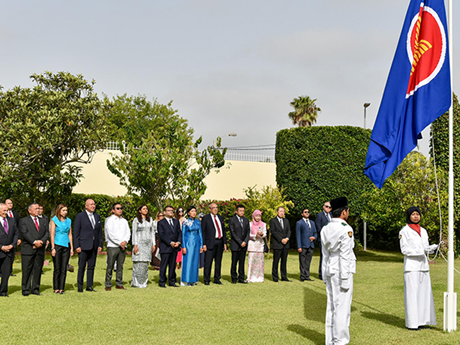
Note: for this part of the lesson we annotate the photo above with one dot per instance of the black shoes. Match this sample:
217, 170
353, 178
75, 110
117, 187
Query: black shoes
218, 282
206, 283
242, 282
286, 280
90, 289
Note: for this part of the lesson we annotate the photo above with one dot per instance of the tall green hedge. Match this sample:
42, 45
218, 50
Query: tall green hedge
316, 164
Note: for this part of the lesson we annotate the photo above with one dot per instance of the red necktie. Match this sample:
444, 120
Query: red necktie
10, 214
36, 224
218, 228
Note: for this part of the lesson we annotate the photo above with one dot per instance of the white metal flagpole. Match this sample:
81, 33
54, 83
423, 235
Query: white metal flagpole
450, 297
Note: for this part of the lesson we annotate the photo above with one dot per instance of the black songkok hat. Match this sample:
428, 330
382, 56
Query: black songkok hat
339, 203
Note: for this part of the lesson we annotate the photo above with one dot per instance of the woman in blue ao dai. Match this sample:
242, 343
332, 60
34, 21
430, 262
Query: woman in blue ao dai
192, 246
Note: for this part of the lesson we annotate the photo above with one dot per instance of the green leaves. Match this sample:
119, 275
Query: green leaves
47, 129
162, 161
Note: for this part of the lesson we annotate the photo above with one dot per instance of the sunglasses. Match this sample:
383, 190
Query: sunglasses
118, 208
327, 206
161, 215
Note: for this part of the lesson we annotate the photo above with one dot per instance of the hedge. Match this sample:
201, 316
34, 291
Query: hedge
316, 164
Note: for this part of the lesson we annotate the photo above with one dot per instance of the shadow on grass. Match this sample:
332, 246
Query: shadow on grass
314, 305
316, 337
389, 319
379, 256
14, 288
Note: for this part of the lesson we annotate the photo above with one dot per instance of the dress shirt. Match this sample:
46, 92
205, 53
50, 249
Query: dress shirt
280, 220
91, 217
1, 221
328, 216
214, 219
308, 222
116, 231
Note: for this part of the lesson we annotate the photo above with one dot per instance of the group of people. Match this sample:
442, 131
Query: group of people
201, 240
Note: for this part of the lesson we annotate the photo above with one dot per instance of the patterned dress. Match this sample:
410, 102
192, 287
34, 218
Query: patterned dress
256, 256
192, 240
144, 238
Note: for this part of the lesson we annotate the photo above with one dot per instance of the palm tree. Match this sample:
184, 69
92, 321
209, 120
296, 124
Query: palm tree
305, 111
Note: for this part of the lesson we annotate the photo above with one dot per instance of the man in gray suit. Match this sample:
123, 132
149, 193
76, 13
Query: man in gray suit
281, 232
321, 220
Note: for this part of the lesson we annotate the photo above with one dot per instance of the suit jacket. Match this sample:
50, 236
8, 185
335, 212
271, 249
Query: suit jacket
16, 218
84, 236
321, 220
239, 234
209, 231
10, 238
304, 232
30, 234
168, 234
279, 233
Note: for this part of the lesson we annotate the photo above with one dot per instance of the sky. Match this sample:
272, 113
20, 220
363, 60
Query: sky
228, 66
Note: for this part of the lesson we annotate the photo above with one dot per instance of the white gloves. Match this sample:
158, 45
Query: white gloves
431, 249
345, 284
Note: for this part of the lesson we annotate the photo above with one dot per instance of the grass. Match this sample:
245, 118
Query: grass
264, 313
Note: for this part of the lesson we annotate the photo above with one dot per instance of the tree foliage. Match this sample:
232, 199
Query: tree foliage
305, 111
266, 200
162, 162
440, 151
45, 131
316, 164
412, 184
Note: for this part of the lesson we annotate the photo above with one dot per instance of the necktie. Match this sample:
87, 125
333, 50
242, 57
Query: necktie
36, 224
241, 222
91, 218
329, 217
218, 228
5, 225
308, 223
281, 223
10, 214
171, 223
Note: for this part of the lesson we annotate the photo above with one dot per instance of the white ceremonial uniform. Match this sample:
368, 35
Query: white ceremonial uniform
339, 265
418, 296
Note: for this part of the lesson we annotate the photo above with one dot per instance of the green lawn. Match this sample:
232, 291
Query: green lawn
265, 313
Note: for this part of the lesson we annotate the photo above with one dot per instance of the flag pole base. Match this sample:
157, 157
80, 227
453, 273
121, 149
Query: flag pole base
450, 311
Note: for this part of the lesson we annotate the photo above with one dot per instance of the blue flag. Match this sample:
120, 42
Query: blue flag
418, 89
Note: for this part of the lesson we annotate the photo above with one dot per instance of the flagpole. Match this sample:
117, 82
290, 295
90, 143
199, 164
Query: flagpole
450, 297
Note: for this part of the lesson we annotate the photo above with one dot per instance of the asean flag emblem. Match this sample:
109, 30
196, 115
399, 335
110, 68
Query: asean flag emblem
426, 48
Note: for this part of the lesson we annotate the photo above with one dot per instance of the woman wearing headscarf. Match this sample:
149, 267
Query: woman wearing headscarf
256, 248
192, 246
418, 295
143, 246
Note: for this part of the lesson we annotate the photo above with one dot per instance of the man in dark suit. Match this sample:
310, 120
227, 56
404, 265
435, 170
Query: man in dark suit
8, 240
214, 243
15, 216
306, 234
239, 231
321, 220
87, 234
170, 236
12, 213
281, 232
34, 232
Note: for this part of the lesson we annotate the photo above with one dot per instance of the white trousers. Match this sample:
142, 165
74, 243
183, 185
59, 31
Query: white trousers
418, 299
338, 311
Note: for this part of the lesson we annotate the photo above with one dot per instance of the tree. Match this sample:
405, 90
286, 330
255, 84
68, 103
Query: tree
46, 130
412, 184
162, 161
305, 111
440, 151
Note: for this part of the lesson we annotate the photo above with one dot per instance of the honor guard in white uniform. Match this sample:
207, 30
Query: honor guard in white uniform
418, 296
339, 265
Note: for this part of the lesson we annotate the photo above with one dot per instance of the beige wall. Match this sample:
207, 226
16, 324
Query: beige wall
228, 183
